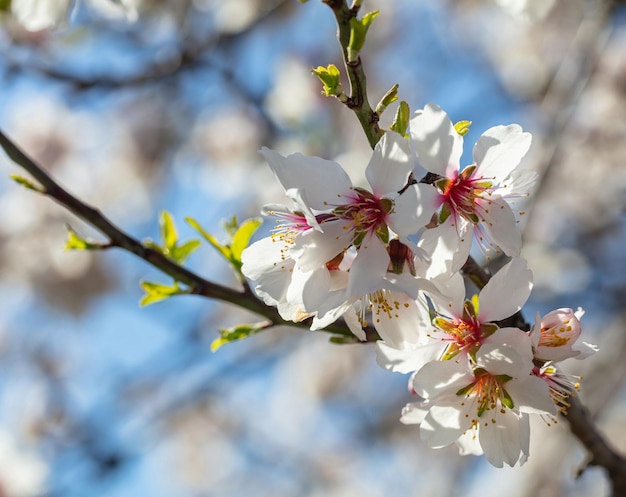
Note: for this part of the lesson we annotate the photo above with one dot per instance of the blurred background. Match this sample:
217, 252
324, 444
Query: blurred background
101, 397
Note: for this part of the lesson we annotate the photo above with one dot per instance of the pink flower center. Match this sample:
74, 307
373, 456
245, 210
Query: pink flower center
365, 213
467, 196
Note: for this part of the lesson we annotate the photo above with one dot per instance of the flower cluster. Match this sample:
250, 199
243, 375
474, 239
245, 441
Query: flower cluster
388, 255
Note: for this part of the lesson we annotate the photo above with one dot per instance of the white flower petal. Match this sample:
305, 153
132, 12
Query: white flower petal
506, 292
312, 248
515, 338
389, 168
413, 209
367, 273
439, 378
413, 413
448, 246
500, 438
444, 424
499, 150
436, 142
449, 299
501, 227
501, 359
531, 394
468, 443
352, 320
321, 181
264, 256
311, 288
398, 319
407, 358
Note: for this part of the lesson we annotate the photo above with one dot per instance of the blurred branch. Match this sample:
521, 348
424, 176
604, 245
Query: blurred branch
118, 238
602, 455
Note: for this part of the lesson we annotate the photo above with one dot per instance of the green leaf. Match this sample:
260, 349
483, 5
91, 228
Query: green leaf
329, 76
358, 31
388, 98
401, 120
222, 249
238, 332
180, 252
76, 242
5, 5
168, 230
156, 292
26, 183
242, 237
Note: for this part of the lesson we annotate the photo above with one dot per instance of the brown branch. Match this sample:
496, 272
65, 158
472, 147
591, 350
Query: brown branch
118, 238
602, 455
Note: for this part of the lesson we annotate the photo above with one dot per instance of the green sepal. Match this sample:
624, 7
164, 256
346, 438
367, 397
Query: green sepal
329, 76
388, 98
358, 31
445, 213
238, 332
465, 390
505, 398
382, 232
156, 292
462, 127
401, 119
5, 5
76, 242
26, 183
488, 329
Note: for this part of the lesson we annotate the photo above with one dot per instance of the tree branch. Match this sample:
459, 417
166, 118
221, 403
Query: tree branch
357, 100
118, 238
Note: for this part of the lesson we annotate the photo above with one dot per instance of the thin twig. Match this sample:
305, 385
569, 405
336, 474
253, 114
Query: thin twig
357, 100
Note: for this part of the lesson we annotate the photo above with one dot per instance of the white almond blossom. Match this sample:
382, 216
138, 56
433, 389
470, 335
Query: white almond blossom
472, 201
461, 326
481, 406
353, 217
555, 336
554, 339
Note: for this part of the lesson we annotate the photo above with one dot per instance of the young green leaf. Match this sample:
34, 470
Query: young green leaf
238, 332
401, 120
388, 98
156, 292
222, 249
180, 252
242, 237
26, 183
76, 242
168, 230
358, 31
